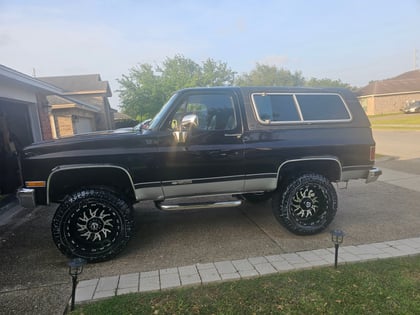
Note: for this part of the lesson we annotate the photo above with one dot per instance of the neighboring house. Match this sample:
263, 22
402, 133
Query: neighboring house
24, 119
389, 96
89, 110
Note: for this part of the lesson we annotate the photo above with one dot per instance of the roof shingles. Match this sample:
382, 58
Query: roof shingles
406, 82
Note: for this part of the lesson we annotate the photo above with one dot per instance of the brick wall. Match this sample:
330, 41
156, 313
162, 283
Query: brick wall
44, 120
386, 104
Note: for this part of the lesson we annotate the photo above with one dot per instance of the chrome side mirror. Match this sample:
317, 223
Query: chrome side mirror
189, 121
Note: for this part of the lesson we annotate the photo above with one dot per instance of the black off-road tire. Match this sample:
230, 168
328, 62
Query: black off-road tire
306, 205
94, 224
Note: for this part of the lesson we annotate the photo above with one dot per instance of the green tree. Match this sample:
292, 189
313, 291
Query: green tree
265, 75
141, 92
146, 87
313, 82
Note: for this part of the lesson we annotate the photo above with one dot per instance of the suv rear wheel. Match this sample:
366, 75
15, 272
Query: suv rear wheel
306, 205
92, 223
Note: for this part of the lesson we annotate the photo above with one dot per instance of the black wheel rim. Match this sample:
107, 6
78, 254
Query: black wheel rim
92, 227
308, 205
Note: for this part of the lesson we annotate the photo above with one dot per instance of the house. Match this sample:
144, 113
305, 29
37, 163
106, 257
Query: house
24, 119
88, 110
37, 109
390, 95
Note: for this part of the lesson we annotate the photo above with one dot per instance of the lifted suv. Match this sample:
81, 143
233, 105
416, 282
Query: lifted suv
255, 143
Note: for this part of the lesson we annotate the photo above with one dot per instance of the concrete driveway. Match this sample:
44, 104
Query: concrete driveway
34, 275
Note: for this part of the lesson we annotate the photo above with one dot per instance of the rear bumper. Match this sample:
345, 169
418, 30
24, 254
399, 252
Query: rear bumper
373, 174
26, 197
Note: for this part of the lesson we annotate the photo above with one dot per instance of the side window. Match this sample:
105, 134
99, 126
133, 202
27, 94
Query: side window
213, 111
322, 107
296, 107
276, 107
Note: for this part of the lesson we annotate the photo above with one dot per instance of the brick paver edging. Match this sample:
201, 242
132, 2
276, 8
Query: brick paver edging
199, 274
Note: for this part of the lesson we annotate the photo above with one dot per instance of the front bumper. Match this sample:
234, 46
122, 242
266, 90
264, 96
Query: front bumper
373, 175
26, 197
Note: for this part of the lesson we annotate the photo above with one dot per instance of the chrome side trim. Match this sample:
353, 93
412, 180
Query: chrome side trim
150, 193
261, 182
62, 168
203, 188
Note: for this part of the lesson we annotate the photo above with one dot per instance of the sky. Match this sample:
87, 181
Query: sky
355, 41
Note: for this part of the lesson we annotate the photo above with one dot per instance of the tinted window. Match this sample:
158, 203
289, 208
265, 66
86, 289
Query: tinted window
276, 107
272, 108
322, 107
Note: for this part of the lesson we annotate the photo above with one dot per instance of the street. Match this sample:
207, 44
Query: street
34, 275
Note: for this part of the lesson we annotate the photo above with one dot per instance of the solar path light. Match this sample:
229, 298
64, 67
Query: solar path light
75, 269
337, 237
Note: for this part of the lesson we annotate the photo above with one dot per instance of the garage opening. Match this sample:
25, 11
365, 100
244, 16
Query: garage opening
15, 133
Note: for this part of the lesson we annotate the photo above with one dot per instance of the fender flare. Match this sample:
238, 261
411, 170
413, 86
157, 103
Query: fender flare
311, 159
63, 168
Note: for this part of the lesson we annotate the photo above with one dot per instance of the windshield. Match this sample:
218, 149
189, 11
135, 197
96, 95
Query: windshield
162, 113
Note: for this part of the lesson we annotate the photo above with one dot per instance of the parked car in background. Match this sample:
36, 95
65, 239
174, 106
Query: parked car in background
412, 108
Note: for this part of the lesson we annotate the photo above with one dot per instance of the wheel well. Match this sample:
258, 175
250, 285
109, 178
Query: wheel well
329, 168
64, 182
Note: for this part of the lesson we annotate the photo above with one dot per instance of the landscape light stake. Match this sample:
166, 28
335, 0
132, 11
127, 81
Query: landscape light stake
337, 237
75, 269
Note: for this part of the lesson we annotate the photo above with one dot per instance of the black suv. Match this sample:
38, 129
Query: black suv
254, 143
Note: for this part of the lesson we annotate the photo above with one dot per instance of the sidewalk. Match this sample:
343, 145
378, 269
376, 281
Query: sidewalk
400, 179
199, 274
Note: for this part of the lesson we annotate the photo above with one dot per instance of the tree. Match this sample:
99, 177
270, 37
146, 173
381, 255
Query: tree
146, 88
313, 82
140, 93
265, 75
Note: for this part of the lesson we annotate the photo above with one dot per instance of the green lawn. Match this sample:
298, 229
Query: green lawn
396, 121
390, 286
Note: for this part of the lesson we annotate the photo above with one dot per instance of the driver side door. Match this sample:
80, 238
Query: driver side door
204, 153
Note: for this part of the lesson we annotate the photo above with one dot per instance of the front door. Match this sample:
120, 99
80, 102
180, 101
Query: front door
205, 156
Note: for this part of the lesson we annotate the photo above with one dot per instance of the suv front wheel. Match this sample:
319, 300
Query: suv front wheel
94, 224
305, 205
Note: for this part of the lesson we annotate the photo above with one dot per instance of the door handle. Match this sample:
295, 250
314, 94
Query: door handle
237, 135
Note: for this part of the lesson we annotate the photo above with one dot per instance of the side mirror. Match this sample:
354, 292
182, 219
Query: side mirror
189, 121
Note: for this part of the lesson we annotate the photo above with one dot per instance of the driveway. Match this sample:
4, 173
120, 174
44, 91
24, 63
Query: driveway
34, 275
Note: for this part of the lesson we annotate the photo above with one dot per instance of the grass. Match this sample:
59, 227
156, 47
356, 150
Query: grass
396, 121
390, 286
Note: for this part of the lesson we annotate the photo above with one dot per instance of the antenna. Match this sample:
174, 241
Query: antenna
415, 58
34, 72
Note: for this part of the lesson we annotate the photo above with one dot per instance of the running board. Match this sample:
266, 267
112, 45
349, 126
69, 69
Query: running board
200, 205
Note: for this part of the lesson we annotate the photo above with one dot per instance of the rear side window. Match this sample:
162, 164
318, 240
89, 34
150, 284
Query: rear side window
322, 107
299, 107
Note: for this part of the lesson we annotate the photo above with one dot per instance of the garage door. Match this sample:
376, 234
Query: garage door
83, 125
